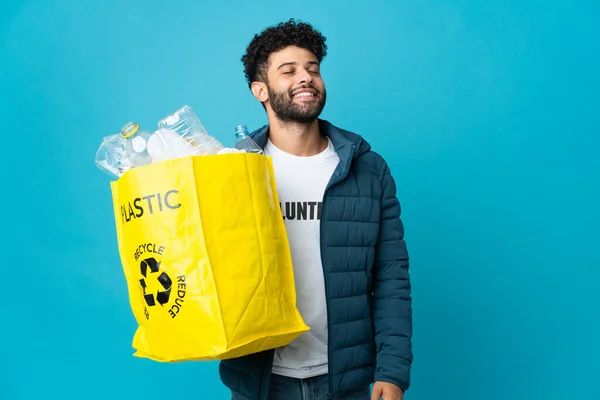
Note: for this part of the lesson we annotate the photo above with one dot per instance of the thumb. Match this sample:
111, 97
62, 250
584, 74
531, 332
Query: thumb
377, 392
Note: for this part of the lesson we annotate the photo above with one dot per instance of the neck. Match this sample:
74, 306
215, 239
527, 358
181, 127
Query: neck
302, 140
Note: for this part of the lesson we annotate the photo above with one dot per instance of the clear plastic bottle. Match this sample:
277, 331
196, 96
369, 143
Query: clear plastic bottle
136, 148
111, 156
245, 142
185, 135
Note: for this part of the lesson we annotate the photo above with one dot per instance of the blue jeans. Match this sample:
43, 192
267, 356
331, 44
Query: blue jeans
284, 388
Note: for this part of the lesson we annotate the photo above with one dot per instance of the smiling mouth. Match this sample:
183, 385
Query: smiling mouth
305, 95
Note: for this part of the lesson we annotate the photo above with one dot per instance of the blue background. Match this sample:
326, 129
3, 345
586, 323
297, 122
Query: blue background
486, 111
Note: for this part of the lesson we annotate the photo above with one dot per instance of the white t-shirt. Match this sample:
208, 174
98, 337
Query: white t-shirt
301, 183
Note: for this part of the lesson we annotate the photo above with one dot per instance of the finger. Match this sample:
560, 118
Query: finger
377, 393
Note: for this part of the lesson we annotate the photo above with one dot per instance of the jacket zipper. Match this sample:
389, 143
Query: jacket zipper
333, 181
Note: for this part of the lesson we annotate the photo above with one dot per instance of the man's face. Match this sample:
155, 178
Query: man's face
295, 87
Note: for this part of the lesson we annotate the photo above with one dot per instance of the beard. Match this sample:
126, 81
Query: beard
287, 111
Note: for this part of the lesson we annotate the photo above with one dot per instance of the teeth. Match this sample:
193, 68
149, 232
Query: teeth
304, 94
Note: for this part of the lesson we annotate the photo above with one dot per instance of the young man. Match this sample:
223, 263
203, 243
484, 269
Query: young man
347, 240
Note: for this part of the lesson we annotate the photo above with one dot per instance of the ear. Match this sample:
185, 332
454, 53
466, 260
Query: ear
259, 90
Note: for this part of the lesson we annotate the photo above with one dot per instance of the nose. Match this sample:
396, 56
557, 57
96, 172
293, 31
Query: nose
304, 76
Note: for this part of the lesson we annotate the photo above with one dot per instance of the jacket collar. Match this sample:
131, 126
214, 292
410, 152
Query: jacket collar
347, 145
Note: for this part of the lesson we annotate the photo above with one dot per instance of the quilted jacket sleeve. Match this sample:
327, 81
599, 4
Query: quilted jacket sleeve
392, 302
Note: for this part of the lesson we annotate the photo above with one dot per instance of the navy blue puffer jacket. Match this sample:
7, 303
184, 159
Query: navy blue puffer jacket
367, 283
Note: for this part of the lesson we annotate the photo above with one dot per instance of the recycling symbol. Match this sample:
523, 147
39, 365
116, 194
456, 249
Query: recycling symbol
162, 296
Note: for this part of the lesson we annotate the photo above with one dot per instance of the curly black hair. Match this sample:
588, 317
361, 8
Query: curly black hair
275, 38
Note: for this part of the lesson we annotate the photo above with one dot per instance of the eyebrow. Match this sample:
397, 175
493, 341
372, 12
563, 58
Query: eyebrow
295, 63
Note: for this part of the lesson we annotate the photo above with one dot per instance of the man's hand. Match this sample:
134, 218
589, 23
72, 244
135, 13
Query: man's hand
386, 391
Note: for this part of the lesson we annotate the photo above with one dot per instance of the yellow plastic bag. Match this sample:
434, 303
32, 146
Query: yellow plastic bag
205, 254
